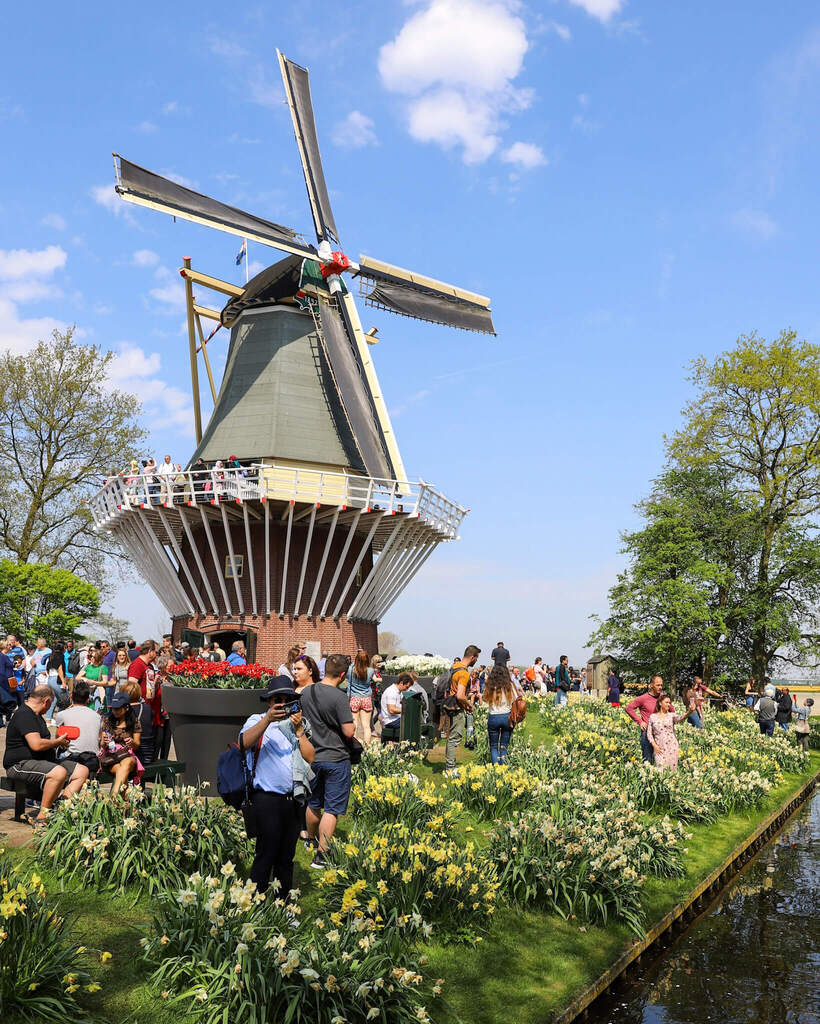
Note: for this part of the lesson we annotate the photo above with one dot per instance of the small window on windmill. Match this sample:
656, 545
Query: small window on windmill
235, 568
359, 576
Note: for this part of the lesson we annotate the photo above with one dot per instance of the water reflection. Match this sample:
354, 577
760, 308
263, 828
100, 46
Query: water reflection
754, 957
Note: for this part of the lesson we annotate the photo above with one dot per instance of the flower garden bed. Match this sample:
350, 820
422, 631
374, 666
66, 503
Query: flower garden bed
552, 865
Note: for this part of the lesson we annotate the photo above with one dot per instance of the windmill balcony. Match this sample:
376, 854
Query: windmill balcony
275, 539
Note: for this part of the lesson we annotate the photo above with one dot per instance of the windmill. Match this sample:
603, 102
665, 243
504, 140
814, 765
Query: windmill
317, 530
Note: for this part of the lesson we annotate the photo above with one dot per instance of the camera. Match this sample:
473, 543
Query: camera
292, 708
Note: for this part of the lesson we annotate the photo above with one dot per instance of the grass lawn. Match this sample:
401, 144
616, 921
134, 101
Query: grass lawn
527, 969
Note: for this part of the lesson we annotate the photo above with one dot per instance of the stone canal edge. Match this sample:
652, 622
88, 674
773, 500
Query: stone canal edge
681, 915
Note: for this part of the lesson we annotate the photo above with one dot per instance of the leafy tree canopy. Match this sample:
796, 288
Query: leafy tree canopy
63, 429
40, 600
724, 577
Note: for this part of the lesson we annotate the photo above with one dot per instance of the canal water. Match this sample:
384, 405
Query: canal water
754, 956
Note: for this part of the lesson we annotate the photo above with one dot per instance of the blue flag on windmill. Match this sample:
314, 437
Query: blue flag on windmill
243, 251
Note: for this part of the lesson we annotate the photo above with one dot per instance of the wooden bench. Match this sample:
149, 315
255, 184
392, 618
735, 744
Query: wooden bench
158, 771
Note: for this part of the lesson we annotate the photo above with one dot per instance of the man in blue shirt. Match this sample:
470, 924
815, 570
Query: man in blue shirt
14, 647
237, 655
41, 655
109, 655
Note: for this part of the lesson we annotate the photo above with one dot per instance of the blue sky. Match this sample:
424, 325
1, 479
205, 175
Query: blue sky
633, 183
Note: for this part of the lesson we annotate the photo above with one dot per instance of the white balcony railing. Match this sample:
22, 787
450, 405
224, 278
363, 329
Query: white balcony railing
275, 482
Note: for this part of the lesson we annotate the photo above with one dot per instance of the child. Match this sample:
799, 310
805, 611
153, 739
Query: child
802, 726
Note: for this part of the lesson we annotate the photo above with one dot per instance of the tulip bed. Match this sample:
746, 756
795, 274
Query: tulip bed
575, 832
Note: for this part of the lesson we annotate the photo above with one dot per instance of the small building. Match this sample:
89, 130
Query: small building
598, 669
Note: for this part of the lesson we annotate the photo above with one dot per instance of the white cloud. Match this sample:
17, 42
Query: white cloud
170, 295
30, 291
19, 263
146, 127
21, 335
408, 403
600, 9
145, 258
262, 91
107, 197
135, 370
562, 31
131, 362
226, 48
24, 277
525, 155
456, 61
355, 131
54, 220
754, 222
171, 107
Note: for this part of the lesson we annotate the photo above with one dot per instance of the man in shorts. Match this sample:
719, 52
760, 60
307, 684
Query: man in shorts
327, 711
31, 753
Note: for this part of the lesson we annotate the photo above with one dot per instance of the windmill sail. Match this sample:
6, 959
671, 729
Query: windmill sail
146, 188
354, 392
297, 88
423, 298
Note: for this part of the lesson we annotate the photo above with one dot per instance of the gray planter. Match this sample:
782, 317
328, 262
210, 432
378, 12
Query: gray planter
426, 682
204, 722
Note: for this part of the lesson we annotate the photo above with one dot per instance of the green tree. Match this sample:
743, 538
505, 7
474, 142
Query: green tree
63, 429
669, 607
109, 627
756, 420
40, 600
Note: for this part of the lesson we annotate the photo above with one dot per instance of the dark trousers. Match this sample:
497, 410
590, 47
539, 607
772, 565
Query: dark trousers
278, 821
647, 751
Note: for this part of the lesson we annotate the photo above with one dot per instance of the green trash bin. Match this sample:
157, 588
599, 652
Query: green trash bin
411, 718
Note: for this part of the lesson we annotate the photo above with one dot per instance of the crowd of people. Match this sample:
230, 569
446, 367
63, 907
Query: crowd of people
166, 482
72, 711
106, 705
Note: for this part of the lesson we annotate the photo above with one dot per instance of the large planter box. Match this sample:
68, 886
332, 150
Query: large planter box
204, 722
426, 682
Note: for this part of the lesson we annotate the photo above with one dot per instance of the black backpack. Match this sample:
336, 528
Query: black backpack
441, 686
74, 663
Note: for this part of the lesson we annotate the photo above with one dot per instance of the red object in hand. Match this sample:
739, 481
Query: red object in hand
338, 262
72, 731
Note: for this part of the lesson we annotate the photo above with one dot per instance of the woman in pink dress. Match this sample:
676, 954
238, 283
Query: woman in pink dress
661, 733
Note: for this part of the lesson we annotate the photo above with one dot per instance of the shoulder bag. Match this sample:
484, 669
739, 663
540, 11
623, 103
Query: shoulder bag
518, 711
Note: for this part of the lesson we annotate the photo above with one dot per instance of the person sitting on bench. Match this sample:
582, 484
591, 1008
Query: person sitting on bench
82, 726
390, 714
31, 753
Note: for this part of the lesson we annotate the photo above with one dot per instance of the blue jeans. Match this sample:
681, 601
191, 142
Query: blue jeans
560, 697
750, 701
695, 719
647, 751
767, 728
784, 725
499, 729
54, 683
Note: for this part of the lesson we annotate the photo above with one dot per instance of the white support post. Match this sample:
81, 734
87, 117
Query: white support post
408, 574
376, 571
351, 533
323, 563
229, 542
267, 558
368, 539
391, 569
305, 560
285, 566
417, 544
217, 567
188, 533
136, 548
250, 557
183, 563
165, 566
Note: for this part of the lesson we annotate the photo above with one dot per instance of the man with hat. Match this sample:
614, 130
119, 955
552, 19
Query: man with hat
500, 654
279, 755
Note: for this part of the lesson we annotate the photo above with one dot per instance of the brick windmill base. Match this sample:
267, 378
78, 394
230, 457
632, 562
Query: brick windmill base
276, 554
